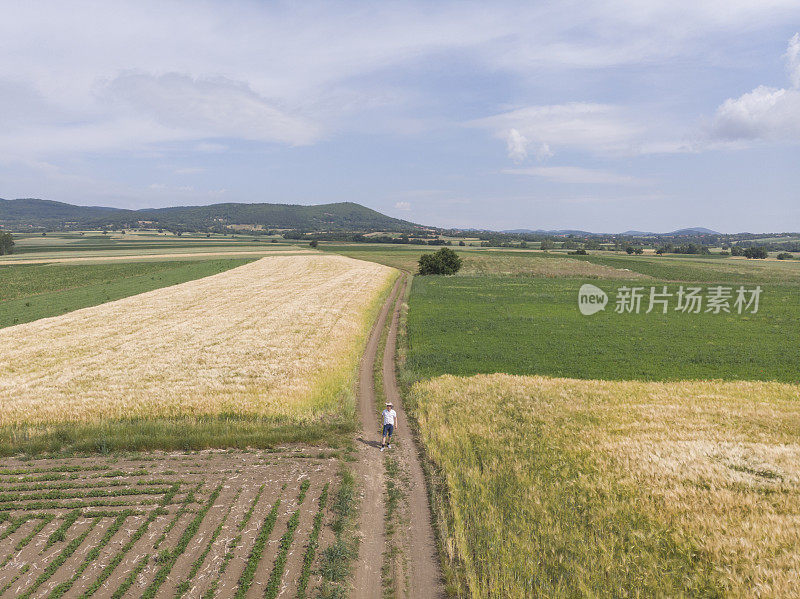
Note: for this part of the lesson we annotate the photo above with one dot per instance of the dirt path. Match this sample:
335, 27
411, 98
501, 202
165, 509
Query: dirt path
423, 577
367, 580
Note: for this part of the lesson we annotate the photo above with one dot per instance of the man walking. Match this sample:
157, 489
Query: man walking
389, 422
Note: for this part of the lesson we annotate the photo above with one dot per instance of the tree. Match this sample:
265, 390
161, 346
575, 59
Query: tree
443, 262
547, 244
314, 243
639, 251
6, 243
785, 256
461, 243
759, 252
629, 249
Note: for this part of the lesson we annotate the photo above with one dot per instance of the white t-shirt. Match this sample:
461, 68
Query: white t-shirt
389, 416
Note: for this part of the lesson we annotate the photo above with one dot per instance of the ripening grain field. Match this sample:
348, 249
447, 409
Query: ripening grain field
274, 342
565, 487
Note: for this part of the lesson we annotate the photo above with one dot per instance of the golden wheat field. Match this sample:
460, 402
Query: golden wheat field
568, 487
279, 337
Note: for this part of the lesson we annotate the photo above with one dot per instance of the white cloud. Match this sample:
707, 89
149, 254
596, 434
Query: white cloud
597, 128
793, 60
259, 70
766, 113
574, 174
206, 108
517, 146
402, 205
190, 170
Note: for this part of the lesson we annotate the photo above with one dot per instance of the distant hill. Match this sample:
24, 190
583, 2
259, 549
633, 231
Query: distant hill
343, 216
638, 233
547, 232
694, 231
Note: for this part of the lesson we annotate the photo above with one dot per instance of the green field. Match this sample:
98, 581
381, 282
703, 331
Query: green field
33, 291
528, 325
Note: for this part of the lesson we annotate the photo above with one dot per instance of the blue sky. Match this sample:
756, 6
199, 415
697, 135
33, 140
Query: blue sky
604, 116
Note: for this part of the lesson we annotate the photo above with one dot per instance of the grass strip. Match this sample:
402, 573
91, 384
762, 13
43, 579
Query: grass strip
393, 552
184, 586
246, 579
313, 543
62, 588
128, 582
131, 542
183, 542
273, 584
53, 566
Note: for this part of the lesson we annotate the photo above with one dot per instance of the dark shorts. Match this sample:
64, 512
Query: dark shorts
388, 429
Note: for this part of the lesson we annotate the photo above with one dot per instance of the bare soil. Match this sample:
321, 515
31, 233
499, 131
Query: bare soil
37, 565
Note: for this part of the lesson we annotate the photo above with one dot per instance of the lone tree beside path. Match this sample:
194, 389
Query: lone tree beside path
443, 262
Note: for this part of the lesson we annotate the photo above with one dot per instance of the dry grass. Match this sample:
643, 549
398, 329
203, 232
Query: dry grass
277, 338
596, 488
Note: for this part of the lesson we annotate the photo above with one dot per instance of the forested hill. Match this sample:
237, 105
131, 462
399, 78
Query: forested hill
344, 216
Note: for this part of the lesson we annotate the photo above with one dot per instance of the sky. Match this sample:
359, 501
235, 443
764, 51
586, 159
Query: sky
604, 115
